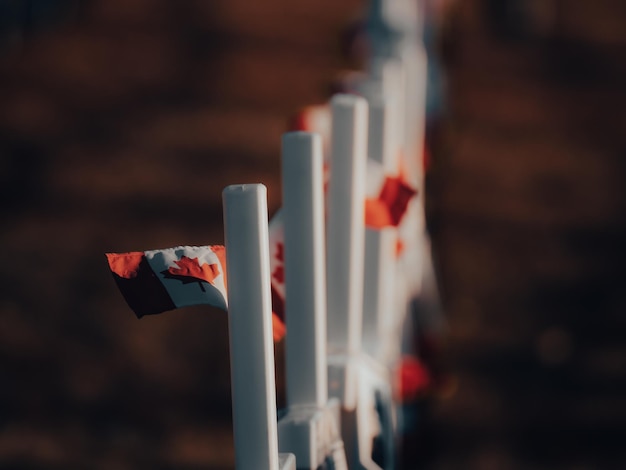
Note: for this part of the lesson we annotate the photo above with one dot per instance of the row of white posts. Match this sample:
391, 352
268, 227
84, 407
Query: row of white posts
310, 428
324, 284
347, 295
343, 315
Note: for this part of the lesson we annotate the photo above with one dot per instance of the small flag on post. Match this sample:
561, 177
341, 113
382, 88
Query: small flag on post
156, 281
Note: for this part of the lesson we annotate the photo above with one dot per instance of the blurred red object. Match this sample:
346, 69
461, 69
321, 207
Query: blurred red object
414, 379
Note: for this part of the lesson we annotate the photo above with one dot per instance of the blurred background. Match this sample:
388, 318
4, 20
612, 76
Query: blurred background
122, 120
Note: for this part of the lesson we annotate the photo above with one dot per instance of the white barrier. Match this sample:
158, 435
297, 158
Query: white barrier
380, 244
344, 253
310, 427
250, 326
305, 276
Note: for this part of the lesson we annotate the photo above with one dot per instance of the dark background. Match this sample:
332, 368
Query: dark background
122, 120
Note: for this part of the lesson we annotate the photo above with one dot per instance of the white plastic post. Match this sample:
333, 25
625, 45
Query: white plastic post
413, 56
305, 277
415, 63
310, 429
345, 242
380, 244
250, 321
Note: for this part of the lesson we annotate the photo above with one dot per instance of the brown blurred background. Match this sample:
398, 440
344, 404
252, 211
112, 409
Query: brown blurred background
122, 120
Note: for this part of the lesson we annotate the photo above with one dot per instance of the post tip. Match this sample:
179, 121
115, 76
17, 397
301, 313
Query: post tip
298, 135
302, 137
345, 100
244, 188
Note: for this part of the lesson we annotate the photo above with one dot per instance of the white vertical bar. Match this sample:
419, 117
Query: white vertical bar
380, 244
345, 232
305, 278
250, 318
383, 143
415, 65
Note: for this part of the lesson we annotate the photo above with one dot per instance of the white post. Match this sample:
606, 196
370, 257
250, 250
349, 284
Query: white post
380, 244
413, 228
250, 318
415, 63
345, 242
311, 427
305, 278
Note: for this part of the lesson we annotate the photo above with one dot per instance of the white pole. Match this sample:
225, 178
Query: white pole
310, 428
345, 239
250, 317
380, 244
413, 227
305, 278
416, 74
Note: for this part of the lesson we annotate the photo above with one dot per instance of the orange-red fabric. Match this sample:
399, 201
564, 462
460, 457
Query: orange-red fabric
391, 204
376, 214
396, 195
125, 265
190, 270
220, 251
278, 328
278, 315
